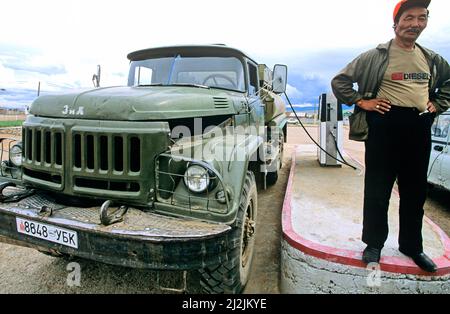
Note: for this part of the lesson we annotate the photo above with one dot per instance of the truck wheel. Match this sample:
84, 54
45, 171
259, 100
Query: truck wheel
232, 275
272, 177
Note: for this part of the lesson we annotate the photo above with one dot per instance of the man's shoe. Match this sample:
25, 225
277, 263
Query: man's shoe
423, 261
371, 255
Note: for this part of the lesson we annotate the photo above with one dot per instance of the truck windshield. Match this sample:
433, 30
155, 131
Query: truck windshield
213, 72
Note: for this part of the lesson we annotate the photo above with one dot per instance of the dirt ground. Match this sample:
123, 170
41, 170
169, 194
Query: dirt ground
25, 270
12, 117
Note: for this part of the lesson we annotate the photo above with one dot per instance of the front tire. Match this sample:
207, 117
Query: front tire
231, 276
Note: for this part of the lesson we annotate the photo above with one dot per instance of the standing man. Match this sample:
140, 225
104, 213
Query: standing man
402, 87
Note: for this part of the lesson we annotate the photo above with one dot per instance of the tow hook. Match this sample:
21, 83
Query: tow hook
45, 211
13, 197
114, 217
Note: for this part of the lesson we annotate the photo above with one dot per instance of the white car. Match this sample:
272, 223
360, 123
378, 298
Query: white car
293, 121
439, 168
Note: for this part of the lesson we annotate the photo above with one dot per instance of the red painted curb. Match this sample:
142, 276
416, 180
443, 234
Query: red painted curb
400, 265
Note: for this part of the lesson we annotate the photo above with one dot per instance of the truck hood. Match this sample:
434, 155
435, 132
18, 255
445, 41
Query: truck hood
139, 103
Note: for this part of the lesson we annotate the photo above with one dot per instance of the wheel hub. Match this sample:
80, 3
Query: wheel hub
249, 232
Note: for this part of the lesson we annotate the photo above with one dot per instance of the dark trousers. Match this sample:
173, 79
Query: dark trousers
398, 148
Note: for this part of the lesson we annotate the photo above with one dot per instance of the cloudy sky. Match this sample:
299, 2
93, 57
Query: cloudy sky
59, 43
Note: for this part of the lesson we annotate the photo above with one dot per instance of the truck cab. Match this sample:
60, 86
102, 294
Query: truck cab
439, 168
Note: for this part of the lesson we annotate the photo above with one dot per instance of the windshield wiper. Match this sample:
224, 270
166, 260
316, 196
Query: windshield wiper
228, 89
190, 85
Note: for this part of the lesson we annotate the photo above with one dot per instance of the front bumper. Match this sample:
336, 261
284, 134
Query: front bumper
141, 240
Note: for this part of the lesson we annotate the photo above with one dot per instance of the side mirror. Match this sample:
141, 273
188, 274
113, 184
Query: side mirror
279, 78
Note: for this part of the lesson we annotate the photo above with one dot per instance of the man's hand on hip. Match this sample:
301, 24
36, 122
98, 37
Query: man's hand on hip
431, 108
379, 105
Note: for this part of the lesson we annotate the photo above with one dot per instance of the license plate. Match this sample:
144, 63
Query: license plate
47, 232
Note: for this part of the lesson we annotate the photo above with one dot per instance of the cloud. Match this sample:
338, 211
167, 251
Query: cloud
311, 72
439, 43
6, 75
17, 97
120, 74
22, 69
19, 58
302, 106
44, 69
293, 91
18, 51
309, 86
314, 38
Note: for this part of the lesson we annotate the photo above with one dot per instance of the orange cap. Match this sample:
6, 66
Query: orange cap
406, 4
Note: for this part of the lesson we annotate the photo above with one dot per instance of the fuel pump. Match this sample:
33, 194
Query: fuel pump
330, 131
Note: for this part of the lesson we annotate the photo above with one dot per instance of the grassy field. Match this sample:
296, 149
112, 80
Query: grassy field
7, 124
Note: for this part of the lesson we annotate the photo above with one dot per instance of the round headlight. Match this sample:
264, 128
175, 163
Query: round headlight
197, 179
15, 155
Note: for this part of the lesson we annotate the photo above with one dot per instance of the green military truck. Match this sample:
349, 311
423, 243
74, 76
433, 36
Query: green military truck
160, 174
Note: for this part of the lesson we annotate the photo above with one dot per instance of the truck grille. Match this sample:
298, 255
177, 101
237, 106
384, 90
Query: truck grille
43, 155
97, 161
43, 146
109, 155
106, 153
120, 186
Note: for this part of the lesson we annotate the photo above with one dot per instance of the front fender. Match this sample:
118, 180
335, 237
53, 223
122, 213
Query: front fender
227, 154
232, 154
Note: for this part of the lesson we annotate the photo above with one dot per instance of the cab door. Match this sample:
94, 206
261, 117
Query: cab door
445, 162
439, 168
255, 105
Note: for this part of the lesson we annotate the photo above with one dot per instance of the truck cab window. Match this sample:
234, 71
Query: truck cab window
143, 76
214, 72
253, 79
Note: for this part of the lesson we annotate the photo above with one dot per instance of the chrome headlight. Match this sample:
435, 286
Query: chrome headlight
197, 179
15, 155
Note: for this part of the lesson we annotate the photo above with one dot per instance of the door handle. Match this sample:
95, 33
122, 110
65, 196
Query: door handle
439, 148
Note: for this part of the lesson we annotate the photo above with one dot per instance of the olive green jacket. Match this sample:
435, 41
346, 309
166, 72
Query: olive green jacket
368, 71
